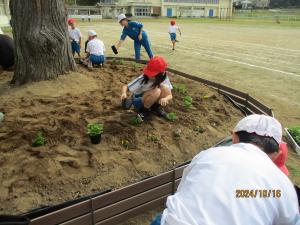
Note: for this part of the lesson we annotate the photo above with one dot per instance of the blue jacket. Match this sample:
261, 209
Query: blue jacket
133, 30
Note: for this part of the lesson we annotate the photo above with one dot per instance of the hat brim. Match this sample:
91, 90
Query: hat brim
122, 20
149, 73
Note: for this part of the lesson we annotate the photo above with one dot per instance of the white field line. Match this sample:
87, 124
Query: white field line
236, 56
236, 61
243, 43
230, 60
215, 44
256, 51
244, 58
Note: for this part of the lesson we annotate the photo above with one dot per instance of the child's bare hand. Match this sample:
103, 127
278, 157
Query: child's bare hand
123, 96
163, 101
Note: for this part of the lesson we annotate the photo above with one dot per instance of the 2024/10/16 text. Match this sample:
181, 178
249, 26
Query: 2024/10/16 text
244, 193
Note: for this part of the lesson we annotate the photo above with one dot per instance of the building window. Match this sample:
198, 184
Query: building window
142, 11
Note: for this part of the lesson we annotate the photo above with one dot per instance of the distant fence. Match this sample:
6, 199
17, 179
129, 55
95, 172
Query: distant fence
113, 207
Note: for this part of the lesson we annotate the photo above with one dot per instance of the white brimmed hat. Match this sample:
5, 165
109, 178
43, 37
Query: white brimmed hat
261, 125
121, 17
92, 33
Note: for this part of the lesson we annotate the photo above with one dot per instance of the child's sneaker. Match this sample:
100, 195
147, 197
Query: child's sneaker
144, 114
158, 110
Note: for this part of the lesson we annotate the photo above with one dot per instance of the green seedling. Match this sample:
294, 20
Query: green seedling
95, 129
114, 62
125, 144
172, 116
295, 132
136, 120
121, 62
181, 88
39, 139
153, 138
188, 101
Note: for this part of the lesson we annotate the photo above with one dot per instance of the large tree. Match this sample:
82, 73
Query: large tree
42, 48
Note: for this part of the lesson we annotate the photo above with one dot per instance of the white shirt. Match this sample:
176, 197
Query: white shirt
95, 47
207, 193
75, 34
137, 87
173, 29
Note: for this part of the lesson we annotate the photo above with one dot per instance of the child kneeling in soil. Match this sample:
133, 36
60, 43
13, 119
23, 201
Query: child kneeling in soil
95, 51
151, 90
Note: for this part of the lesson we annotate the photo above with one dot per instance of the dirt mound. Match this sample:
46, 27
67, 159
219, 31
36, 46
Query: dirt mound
69, 166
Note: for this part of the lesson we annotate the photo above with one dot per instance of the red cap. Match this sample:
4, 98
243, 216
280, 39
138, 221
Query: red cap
282, 157
173, 22
155, 66
71, 20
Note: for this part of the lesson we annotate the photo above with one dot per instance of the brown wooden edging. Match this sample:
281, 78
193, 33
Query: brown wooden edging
119, 205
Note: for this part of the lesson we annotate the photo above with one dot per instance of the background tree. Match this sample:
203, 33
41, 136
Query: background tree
42, 46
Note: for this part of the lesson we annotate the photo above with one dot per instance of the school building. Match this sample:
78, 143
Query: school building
4, 13
165, 8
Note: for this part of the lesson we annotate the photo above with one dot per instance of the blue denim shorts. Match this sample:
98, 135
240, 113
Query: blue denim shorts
173, 36
137, 101
75, 47
97, 59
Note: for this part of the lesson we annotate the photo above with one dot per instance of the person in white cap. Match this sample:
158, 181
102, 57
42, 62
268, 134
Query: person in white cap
95, 50
135, 31
237, 184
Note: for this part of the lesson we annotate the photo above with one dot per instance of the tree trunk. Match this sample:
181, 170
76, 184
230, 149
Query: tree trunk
42, 46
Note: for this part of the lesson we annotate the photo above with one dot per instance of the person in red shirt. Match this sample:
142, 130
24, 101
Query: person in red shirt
280, 160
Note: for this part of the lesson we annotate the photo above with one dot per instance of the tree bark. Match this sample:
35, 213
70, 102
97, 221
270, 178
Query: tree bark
42, 46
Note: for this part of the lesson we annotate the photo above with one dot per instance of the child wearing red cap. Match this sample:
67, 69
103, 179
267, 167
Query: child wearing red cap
151, 90
172, 31
75, 37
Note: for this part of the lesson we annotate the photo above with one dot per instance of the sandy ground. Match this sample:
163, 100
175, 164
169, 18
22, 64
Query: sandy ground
69, 166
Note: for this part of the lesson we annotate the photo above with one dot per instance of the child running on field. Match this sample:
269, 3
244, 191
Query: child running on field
151, 90
75, 37
172, 31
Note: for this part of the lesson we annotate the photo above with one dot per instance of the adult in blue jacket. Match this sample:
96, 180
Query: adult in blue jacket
135, 31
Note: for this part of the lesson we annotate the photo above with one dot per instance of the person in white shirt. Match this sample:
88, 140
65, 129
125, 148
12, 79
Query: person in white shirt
172, 31
1, 32
151, 90
237, 184
95, 50
75, 37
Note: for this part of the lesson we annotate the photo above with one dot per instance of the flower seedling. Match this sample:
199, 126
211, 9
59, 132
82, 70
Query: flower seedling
95, 129
181, 88
172, 116
153, 138
125, 144
188, 101
136, 120
295, 133
39, 140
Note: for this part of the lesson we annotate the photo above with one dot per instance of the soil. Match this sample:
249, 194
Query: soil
69, 166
